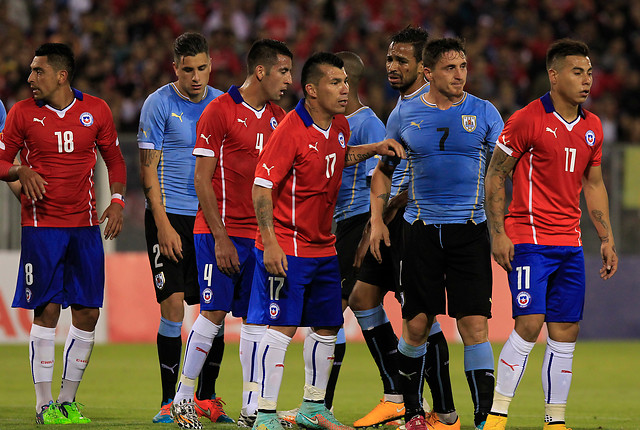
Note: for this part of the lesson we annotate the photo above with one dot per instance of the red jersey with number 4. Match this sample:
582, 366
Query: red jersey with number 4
235, 133
303, 165
553, 157
61, 146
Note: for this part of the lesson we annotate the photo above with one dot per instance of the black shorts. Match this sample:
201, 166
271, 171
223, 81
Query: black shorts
170, 277
348, 235
451, 257
385, 275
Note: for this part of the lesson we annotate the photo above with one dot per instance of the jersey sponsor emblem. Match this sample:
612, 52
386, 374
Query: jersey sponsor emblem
178, 116
273, 122
28, 294
552, 131
590, 138
243, 121
341, 140
159, 280
41, 121
207, 295
417, 124
86, 119
144, 132
314, 146
205, 137
268, 169
469, 122
524, 299
274, 310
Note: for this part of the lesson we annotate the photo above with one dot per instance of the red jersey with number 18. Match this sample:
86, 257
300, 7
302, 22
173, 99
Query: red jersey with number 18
235, 133
61, 146
554, 156
302, 164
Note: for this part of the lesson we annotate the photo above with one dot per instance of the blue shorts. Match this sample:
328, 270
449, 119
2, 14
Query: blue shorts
63, 265
310, 295
220, 292
548, 280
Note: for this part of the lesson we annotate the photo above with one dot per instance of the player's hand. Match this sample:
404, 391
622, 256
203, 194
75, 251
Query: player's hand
502, 250
169, 242
227, 256
275, 260
609, 260
390, 147
114, 224
379, 232
33, 185
363, 247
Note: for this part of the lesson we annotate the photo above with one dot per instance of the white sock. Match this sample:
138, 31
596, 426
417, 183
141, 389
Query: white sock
271, 353
77, 351
198, 346
511, 366
318, 359
556, 378
42, 354
250, 337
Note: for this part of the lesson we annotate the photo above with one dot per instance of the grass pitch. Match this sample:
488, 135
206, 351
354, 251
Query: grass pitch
121, 387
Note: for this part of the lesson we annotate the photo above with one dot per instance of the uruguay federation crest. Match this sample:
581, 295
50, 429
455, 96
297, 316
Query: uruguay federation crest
524, 299
274, 310
207, 295
273, 122
590, 137
86, 119
469, 122
341, 139
159, 280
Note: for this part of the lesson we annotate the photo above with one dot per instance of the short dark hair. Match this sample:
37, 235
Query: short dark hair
59, 56
562, 48
434, 50
189, 44
353, 65
416, 36
311, 72
265, 52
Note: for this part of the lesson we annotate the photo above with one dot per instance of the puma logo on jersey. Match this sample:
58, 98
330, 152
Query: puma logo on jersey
314, 146
144, 132
552, 131
417, 124
504, 140
205, 137
178, 116
41, 121
171, 369
268, 169
243, 121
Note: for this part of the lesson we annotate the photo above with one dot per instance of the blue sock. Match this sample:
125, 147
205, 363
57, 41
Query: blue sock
371, 318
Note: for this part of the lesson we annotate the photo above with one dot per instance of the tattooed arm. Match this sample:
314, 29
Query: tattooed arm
500, 168
275, 260
168, 239
379, 194
595, 195
358, 153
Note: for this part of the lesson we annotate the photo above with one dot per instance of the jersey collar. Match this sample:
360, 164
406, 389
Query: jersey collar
548, 105
235, 94
76, 94
303, 114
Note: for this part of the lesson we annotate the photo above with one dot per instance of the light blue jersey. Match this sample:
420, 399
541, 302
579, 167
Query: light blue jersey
168, 124
3, 115
400, 178
353, 197
447, 152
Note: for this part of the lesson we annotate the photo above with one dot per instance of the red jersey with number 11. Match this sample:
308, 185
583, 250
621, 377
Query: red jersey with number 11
554, 155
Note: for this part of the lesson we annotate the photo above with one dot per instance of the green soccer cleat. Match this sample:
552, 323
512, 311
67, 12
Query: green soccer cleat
72, 411
51, 414
316, 416
267, 421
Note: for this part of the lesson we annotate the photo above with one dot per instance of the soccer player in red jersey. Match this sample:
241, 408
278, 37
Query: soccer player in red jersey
58, 133
297, 277
553, 146
230, 135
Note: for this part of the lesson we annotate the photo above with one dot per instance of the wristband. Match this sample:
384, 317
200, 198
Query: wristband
117, 198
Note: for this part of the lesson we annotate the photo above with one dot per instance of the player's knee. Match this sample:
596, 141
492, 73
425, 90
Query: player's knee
364, 297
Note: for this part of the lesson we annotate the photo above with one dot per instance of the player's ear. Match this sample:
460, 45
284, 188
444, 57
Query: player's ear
553, 76
311, 90
63, 76
260, 72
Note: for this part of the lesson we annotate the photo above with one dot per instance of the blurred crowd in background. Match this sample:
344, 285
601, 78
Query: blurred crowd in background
123, 47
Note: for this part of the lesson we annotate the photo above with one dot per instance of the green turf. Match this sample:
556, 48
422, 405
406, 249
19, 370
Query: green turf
121, 387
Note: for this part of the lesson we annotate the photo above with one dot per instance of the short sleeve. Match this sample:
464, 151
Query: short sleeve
211, 130
152, 123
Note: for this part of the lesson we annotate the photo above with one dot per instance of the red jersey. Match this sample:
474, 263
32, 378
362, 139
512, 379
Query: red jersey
235, 133
303, 165
60, 145
554, 156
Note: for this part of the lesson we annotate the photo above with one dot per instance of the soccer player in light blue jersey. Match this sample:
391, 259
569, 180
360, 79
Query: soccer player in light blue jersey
166, 137
449, 136
376, 278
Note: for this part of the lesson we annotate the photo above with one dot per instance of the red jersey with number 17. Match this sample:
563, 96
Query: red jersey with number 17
235, 133
61, 146
302, 164
554, 155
